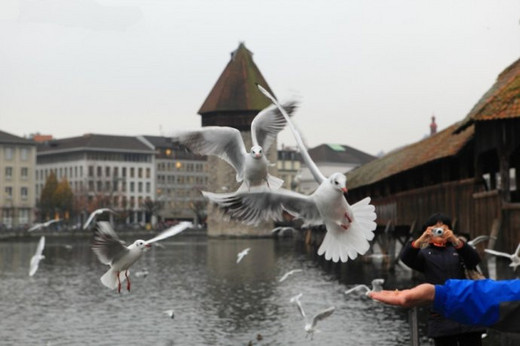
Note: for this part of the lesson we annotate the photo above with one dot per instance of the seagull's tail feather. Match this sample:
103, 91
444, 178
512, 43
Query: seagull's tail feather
109, 279
340, 244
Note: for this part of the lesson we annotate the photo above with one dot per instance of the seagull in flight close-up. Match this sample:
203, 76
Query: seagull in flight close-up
41, 225
111, 250
94, 215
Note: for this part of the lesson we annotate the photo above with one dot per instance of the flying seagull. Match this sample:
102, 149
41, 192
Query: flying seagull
170, 313
377, 285
242, 254
310, 326
37, 257
289, 273
227, 143
94, 215
45, 224
473, 243
349, 227
514, 257
111, 250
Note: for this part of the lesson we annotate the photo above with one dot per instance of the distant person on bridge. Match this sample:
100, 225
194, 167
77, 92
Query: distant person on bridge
441, 256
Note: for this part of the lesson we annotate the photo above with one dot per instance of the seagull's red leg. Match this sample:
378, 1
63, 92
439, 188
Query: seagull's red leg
345, 227
127, 280
348, 218
118, 283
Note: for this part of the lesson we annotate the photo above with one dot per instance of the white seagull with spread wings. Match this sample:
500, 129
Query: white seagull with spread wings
227, 143
45, 224
514, 257
242, 254
111, 250
310, 326
349, 227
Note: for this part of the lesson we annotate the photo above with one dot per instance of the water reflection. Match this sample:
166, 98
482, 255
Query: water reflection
216, 301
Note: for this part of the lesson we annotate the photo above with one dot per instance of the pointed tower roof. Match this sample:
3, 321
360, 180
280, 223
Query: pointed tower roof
235, 93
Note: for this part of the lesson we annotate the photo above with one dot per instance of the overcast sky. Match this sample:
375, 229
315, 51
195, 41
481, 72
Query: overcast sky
368, 73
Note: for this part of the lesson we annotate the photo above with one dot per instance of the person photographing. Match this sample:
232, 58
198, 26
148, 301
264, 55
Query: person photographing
440, 255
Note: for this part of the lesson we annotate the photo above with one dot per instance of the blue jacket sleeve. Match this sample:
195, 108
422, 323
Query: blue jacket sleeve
479, 302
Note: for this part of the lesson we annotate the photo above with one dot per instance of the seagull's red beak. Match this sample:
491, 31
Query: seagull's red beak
148, 245
344, 189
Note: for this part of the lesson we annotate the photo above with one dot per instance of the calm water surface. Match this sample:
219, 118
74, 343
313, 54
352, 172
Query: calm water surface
216, 301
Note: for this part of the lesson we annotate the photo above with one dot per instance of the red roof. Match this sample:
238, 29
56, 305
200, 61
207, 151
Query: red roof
236, 89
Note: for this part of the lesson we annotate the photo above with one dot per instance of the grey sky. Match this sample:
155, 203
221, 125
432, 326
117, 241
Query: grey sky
368, 73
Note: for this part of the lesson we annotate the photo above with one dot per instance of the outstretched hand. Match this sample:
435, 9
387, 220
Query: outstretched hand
419, 295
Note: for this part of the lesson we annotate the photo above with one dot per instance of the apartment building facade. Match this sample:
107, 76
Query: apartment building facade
117, 172
17, 184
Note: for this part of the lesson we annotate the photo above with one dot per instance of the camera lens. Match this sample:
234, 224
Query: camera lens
437, 232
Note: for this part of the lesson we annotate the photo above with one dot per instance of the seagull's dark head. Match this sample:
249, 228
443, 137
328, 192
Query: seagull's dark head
257, 152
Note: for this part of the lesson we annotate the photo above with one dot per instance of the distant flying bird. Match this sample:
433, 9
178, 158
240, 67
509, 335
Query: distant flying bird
242, 253
37, 257
227, 143
377, 286
514, 257
170, 313
310, 326
111, 250
45, 224
286, 275
95, 213
142, 273
479, 239
349, 228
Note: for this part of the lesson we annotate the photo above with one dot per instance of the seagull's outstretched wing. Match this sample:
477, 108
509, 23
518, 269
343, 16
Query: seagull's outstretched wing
258, 206
478, 239
35, 227
296, 300
268, 123
36, 258
170, 232
318, 176
94, 214
286, 275
322, 315
224, 142
107, 245
358, 287
498, 253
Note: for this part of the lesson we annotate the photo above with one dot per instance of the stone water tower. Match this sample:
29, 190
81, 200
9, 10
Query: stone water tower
234, 101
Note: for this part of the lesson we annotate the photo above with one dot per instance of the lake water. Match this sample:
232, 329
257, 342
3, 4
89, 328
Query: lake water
216, 301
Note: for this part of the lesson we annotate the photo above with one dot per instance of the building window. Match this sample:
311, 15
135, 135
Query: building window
139, 172
116, 172
8, 172
23, 216
148, 172
90, 171
132, 186
139, 187
124, 172
24, 192
148, 188
131, 172
107, 171
25, 173
8, 192
99, 171
8, 153
24, 154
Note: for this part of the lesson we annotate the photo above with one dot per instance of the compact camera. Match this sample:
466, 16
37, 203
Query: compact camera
438, 232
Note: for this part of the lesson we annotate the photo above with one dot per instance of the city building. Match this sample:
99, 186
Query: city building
17, 162
289, 165
180, 177
117, 172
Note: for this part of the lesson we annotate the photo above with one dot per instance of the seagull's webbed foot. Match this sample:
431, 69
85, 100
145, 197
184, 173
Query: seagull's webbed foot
345, 227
